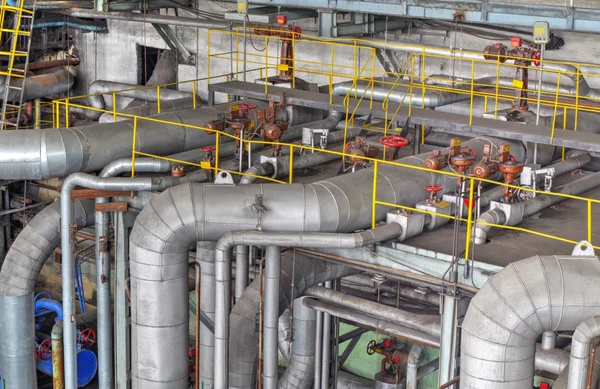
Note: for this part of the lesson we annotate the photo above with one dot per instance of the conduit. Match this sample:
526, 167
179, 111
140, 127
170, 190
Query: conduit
521, 210
100, 87
514, 307
186, 214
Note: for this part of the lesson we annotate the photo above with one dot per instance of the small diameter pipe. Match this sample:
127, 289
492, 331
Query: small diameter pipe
326, 350
548, 340
67, 244
258, 238
318, 350
412, 366
429, 324
531, 206
376, 324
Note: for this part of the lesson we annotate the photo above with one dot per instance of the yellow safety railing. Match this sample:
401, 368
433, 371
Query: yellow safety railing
472, 182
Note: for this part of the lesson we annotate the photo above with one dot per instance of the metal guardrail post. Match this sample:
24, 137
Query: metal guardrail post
114, 101
291, 167
470, 218
374, 206
589, 221
472, 91
158, 99
133, 146
67, 113
555, 106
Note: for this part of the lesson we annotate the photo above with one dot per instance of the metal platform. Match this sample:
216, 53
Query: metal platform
451, 123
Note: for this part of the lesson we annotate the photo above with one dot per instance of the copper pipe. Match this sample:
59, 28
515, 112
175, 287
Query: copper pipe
450, 383
592, 363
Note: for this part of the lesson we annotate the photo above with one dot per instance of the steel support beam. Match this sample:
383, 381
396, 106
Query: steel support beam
174, 43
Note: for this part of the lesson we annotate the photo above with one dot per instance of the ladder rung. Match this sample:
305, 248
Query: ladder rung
14, 87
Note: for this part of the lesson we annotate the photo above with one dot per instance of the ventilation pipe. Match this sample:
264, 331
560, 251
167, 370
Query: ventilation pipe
186, 214
515, 213
514, 307
101, 87
55, 82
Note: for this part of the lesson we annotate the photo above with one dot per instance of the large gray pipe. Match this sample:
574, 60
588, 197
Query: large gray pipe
529, 207
272, 266
429, 324
100, 87
205, 254
514, 307
399, 94
54, 82
184, 215
581, 346
150, 109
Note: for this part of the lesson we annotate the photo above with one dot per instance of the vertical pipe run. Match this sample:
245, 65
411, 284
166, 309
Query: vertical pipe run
241, 270
271, 316
448, 340
318, 350
326, 352
205, 255
105, 344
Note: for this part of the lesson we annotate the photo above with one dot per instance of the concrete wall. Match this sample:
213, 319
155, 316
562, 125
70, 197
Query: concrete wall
114, 56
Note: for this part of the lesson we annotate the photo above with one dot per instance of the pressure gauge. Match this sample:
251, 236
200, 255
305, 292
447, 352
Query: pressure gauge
541, 33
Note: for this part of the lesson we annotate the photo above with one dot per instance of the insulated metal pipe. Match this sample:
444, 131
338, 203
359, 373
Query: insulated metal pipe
318, 364
531, 206
150, 109
553, 360
54, 82
581, 347
326, 350
271, 316
374, 323
223, 276
429, 324
205, 254
67, 244
412, 366
242, 268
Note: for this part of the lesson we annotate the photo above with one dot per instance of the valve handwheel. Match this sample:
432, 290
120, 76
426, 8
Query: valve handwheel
44, 351
433, 188
246, 107
371, 347
394, 141
537, 56
87, 337
297, 32
208, 149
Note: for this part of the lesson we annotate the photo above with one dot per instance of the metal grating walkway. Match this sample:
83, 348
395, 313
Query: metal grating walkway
452, 123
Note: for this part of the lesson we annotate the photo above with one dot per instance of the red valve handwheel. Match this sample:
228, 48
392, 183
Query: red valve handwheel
87, 337
297, 32
394, 141
433, 188
208, 149
473, 153
44, 351
246, 107
537, 56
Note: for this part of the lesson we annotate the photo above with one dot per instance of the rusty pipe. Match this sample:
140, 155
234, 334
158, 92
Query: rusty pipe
592, 363
450, 383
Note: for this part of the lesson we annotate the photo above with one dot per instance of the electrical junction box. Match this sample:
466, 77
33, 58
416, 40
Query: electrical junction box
242, 7
541, 33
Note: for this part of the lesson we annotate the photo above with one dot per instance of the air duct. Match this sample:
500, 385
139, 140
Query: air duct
514, 307
186, 214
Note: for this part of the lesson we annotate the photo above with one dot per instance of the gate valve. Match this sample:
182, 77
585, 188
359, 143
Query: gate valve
433, 190
436, 161
394, 142
87, 337
359, 148
44, 351
208, 150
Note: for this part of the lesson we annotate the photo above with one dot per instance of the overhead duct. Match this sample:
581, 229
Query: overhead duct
54, 82
139, 92
184, 215
514, 307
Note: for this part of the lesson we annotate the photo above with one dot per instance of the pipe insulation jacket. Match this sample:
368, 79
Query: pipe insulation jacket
581, 347
514, 307
54, 82
150, 109
184, 215
100, 87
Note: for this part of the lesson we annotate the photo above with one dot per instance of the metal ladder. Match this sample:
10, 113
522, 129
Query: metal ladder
22, 28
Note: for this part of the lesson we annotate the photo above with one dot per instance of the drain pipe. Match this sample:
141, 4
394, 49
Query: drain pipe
272, 266
67, 244
513, 214
100, 87
525, 299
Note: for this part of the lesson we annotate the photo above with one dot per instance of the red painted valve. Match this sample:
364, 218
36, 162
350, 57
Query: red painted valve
87, 337
44, 351
208, 149
433, 188
537, 56
394, 141
246, 107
